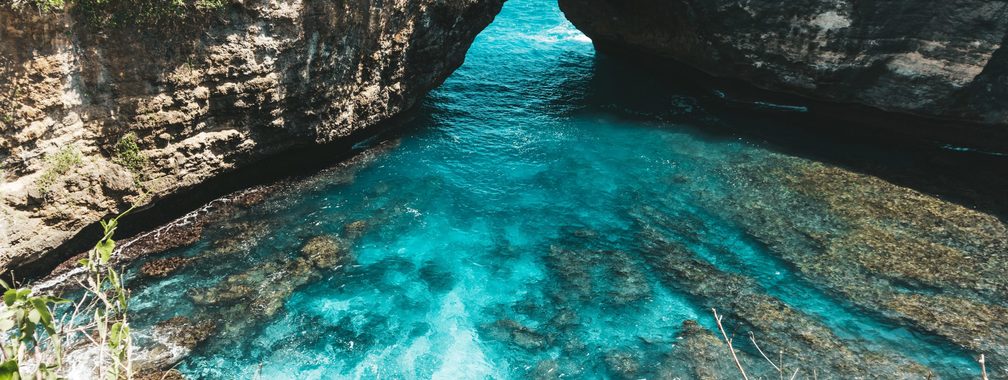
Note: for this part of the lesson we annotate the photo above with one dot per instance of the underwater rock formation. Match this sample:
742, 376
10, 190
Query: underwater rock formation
325, 252
933, 264
701, 355
935, 58
163, 267
513, 332
589, 272
779, 326
97, 118
174, 339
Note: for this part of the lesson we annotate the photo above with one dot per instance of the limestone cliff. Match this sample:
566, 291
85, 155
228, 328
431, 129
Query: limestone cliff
940, 59
96, 118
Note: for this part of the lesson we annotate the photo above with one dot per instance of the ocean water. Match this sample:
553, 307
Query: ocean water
501, 237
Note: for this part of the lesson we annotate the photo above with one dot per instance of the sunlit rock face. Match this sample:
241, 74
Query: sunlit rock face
935, 58
204, 96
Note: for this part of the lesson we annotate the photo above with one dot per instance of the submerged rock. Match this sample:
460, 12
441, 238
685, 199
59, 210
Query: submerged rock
164, 267
262, 288
185, 332
260, 292
566, 317
513, 332
628, 280
325, 252
355, 229
254, 196
172, 374
981, 327
701, 355
623, 365
912, 257
546, 370
170, 342
803, 338
598, 276
438, 279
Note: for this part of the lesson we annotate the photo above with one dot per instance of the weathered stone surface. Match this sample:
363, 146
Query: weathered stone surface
942, 59
259, 78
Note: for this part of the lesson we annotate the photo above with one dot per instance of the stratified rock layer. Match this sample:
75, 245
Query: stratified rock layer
934, 58
203, 98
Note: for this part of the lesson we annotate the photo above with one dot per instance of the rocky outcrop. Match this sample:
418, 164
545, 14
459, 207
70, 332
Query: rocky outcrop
95, 118
939, 59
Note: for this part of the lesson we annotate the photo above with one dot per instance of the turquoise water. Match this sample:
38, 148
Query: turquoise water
502, 236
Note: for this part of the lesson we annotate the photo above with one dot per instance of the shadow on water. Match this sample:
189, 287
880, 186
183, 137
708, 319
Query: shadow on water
855, 137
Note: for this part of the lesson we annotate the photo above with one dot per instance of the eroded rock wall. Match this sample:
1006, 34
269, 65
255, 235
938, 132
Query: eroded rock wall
202, 96
940, 59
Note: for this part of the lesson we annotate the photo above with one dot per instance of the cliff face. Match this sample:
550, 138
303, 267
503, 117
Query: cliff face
94, 119
941, 59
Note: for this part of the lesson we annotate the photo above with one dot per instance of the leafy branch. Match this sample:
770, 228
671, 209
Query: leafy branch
32, 345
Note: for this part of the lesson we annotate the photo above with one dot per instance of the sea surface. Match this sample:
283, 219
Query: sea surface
510, 232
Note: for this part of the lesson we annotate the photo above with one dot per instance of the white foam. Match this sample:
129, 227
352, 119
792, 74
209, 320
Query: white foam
182, 222
419, 348
463, 356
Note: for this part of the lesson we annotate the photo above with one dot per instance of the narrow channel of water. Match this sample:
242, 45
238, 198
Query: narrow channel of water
510, 234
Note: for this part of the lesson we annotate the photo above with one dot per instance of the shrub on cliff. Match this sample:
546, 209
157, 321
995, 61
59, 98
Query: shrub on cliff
123, 13
127, 153
57, 165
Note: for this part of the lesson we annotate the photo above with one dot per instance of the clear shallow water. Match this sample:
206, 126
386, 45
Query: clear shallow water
502, 235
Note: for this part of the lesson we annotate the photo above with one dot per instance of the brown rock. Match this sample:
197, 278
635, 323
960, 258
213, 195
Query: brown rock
325, 252
355, 229
624, 365
837, 51
163, 267
172, 374
268, 80
913, 257
513, 332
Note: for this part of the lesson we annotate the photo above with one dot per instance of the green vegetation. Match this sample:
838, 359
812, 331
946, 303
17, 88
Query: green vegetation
109, 301
20, 322
123, 13
127, 154
106, 14
32, 339
57, 165
49, 5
